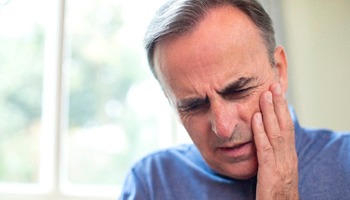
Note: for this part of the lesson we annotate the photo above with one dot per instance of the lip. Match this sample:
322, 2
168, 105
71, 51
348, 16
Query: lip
237, 151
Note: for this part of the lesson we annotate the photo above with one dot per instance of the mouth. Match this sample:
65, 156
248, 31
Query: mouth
237, 151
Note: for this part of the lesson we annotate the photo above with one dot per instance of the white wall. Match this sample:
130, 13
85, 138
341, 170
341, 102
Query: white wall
317, 39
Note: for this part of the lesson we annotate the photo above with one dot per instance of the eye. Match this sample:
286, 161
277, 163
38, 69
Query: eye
194, 106
238, 94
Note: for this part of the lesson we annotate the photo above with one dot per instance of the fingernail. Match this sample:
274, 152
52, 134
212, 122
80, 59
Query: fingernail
278, 89
258, 118
269, 97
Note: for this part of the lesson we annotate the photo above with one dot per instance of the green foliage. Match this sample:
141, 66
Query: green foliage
101, 69
20, 106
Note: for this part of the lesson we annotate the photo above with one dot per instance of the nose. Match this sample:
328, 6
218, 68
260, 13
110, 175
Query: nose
223, 119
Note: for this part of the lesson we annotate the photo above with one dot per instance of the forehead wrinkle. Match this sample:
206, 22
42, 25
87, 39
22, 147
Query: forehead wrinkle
210, 84
207, 53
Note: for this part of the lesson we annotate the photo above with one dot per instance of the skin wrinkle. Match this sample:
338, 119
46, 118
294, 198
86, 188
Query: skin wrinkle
242, 85
236, 135
234, 39
192, 67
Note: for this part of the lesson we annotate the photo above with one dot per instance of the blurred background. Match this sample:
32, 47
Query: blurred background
78, 105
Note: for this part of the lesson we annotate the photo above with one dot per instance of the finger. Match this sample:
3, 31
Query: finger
270, 121
263, 146
282, 112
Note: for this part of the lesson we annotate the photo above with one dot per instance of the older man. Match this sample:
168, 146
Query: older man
218, 65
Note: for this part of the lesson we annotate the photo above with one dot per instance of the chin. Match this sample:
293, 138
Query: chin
241, 171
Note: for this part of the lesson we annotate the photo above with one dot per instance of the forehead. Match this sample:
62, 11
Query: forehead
225, 44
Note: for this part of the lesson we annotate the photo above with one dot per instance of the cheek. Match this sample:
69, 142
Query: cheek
198, 128
247, 108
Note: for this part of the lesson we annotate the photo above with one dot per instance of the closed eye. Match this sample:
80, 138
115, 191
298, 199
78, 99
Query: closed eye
237, 94
194, 105
238, 89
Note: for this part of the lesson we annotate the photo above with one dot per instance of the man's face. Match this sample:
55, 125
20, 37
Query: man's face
214, 76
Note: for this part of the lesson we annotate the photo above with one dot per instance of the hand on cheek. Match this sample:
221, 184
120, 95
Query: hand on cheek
275, 144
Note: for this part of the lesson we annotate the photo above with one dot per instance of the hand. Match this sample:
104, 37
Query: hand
273, 131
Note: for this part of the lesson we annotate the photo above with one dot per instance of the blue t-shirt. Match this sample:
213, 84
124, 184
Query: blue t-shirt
180, 173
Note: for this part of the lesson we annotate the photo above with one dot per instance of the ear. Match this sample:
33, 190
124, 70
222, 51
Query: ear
281, 67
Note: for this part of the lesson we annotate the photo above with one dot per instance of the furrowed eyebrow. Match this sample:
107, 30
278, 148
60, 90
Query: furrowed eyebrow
236, 85
232, 87
185, 103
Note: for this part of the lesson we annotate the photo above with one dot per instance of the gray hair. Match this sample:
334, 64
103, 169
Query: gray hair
178, 17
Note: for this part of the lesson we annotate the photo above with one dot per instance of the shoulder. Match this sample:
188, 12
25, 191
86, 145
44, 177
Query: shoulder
315, 142
324, 160
315, 145
176, 161
180, 153
159, 174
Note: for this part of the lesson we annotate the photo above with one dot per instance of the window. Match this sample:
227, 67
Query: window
76, 97
78, 104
